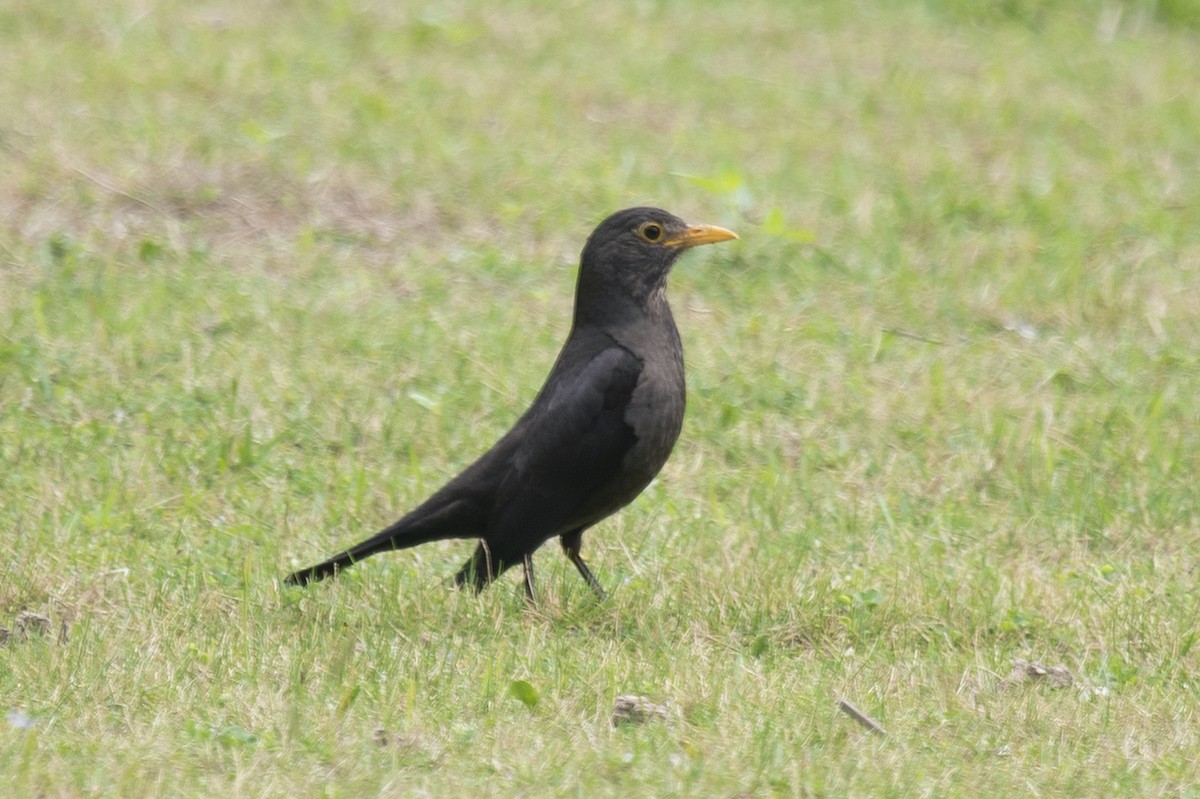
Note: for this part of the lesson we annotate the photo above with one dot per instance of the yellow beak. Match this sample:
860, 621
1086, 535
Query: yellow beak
700, 234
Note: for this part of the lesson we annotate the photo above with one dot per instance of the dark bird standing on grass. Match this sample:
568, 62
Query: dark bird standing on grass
598, 431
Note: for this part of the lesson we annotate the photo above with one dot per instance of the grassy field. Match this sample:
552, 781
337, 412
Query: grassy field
269, 273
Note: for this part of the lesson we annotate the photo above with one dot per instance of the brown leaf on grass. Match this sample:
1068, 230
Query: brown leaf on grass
29, 623
1027, 671
408, 745
397, 740
634, 709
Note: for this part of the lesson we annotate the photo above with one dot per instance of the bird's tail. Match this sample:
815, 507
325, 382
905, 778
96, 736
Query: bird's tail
330, 567
419, 527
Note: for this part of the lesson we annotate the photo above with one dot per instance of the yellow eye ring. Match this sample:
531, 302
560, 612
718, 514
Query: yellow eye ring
650, 231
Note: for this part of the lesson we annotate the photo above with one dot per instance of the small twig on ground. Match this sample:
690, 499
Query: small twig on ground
896, 331
862, 718
109, 186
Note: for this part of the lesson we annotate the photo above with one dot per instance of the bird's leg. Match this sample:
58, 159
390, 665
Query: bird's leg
572, 542
530, 592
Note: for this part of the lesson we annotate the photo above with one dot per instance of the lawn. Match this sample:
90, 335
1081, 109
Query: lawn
271, 273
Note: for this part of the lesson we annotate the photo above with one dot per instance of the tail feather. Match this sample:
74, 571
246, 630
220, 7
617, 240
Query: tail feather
419, 527
327, 568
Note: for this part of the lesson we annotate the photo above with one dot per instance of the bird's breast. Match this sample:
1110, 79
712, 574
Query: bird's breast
655, 411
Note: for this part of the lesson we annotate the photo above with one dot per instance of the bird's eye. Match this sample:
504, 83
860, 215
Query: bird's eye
650, 231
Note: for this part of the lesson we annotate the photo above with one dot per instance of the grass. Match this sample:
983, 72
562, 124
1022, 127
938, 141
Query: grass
268, 275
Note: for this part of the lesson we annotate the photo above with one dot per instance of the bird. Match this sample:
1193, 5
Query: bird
598, 431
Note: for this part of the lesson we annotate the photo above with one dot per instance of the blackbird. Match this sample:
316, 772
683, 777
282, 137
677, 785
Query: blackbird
596, 434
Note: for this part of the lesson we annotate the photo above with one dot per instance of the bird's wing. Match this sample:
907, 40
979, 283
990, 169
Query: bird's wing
581, 414
570, 447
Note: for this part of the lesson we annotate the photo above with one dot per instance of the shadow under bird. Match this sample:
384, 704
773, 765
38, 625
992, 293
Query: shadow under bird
597, 433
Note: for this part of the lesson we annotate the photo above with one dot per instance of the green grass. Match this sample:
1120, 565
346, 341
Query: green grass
270, 273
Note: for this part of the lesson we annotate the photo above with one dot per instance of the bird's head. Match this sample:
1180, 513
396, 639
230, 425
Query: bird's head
633, 250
